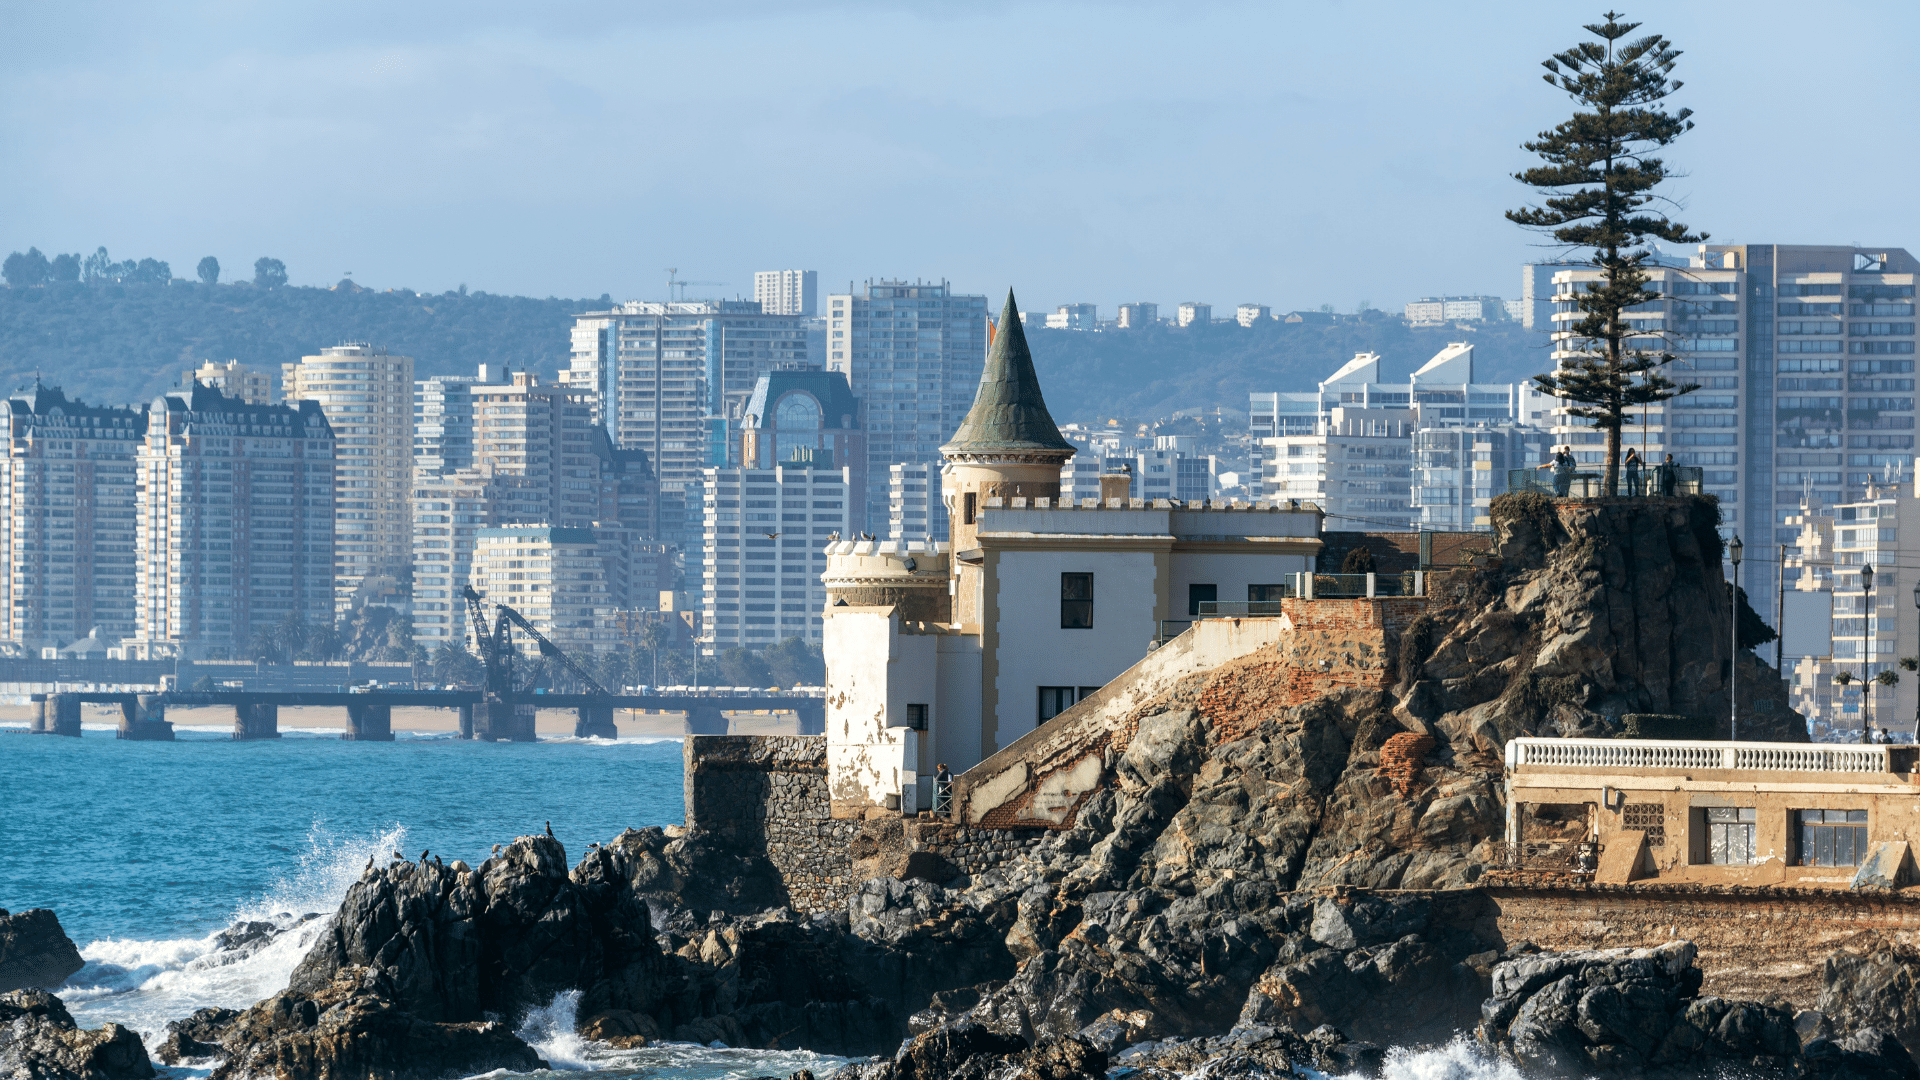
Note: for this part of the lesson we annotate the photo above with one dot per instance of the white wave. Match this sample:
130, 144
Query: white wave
1460, 1059
144, 984
550, 1032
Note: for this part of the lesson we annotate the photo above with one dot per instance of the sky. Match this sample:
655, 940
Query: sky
1287, 154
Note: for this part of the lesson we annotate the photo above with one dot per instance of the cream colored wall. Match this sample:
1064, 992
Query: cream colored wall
872, 672
1032, 648
1231, 571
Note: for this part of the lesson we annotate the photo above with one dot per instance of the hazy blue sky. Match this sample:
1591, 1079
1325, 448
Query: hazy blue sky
1284, 154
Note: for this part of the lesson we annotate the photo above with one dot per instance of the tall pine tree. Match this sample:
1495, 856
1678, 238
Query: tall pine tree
1599, 185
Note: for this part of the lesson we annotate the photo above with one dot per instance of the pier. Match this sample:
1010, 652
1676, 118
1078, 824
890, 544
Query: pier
256, 713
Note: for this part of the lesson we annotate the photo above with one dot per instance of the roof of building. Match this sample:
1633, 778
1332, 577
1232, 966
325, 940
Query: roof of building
1008, 414
201, 398
44, 401
838, 407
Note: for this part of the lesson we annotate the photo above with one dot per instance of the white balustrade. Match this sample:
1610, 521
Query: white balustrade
1683, 754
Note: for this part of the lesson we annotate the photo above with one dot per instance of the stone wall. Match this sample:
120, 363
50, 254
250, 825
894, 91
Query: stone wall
971, 850
766, 796
1755, 943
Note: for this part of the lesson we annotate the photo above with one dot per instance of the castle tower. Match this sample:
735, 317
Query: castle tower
1007, 447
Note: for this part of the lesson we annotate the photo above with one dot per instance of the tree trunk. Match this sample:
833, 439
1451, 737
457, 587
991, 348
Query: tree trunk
1613, 455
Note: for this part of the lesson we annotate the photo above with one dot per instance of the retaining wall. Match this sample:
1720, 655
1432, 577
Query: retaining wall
766, 796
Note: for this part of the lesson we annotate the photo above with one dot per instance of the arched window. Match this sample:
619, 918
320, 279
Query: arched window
799, 412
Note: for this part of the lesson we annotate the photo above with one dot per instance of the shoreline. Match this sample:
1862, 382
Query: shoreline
630, 723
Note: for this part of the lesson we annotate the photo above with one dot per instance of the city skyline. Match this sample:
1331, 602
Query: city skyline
1082, 187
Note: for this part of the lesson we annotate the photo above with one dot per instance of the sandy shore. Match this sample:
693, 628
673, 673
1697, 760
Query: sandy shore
630, 723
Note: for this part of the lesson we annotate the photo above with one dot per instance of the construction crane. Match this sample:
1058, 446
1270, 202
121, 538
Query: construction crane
497, 652
673, 284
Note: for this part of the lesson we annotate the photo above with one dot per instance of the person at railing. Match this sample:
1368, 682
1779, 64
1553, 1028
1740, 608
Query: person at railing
1667, 476
1562, 466
943, 789
1633, 464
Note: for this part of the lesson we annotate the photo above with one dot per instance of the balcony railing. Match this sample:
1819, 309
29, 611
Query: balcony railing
1584, 484
1683, 754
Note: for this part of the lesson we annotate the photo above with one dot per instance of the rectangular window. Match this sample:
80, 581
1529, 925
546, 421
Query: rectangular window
969, 508
1055, 700
917, 716
1199, 594
1832, 837
1730, 835
1266, 594
1076, 601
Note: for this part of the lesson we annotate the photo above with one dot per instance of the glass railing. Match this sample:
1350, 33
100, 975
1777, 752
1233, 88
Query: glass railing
1661, 480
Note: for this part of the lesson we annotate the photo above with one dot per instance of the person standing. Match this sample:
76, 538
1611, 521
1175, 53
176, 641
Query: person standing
1633, 464
1562, 466
1668, 478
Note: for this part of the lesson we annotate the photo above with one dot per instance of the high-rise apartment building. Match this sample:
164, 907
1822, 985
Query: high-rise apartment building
766, 536
914, 508
67, 495
1436, 309
1250, 314
572, 584
1804, 357
506, 449
235, 523
1134, 316
367, 396
1350, 445
787, 292
913, 352
234, 379
671, 379
1459, 469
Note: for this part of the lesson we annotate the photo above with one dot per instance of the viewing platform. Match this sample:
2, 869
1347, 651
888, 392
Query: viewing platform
1662, 481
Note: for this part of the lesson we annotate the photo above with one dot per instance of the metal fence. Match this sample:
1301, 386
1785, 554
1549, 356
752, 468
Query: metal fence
1660, 480
1548, 856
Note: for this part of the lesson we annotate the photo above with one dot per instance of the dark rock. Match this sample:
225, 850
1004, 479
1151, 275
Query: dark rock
1878, 986
197, 1037
39, 1041
353, 1028
1627, 1012
34, 951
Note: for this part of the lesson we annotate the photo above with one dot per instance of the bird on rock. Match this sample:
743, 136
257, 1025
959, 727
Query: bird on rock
549, 828
423, 854
369, 865
496, 849
399, 857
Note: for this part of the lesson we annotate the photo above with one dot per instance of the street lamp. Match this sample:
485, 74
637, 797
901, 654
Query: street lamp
1866, 686
1733, 664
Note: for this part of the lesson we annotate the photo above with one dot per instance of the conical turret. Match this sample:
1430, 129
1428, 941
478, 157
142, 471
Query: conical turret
1008, 416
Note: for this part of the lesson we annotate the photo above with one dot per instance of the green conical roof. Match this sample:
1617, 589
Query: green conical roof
1008, 416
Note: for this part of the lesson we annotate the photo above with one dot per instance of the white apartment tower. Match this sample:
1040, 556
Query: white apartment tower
234, 379
787, 292
913, 352
235, 523
671, 379
367, 396
767, 532
67, 491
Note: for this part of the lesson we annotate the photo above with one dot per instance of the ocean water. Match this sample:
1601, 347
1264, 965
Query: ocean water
147, 851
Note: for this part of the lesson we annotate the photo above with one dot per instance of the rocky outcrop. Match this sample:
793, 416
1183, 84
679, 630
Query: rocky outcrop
1636, 1012
40, 1041
35, 951
197, 1038
352, 1028
968, 1051
456, 944
1874, 983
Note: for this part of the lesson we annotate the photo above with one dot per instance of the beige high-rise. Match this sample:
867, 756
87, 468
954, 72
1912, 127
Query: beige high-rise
367, 396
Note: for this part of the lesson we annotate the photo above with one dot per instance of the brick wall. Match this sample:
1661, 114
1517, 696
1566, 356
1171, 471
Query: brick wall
766, 796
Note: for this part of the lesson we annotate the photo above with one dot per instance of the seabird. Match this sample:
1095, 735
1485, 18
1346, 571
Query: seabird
369, 865
423, 854
496, 849
549, 828
399, 856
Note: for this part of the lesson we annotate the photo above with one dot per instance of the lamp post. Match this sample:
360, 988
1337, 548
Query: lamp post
1866, 645
1733, 663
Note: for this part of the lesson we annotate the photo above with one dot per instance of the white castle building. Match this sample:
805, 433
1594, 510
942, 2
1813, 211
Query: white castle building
949, 652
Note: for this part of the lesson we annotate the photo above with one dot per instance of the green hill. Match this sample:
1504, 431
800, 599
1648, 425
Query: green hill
123, 343
119, 342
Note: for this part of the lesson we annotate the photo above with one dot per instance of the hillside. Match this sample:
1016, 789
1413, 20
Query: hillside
1163, 369
120, 342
